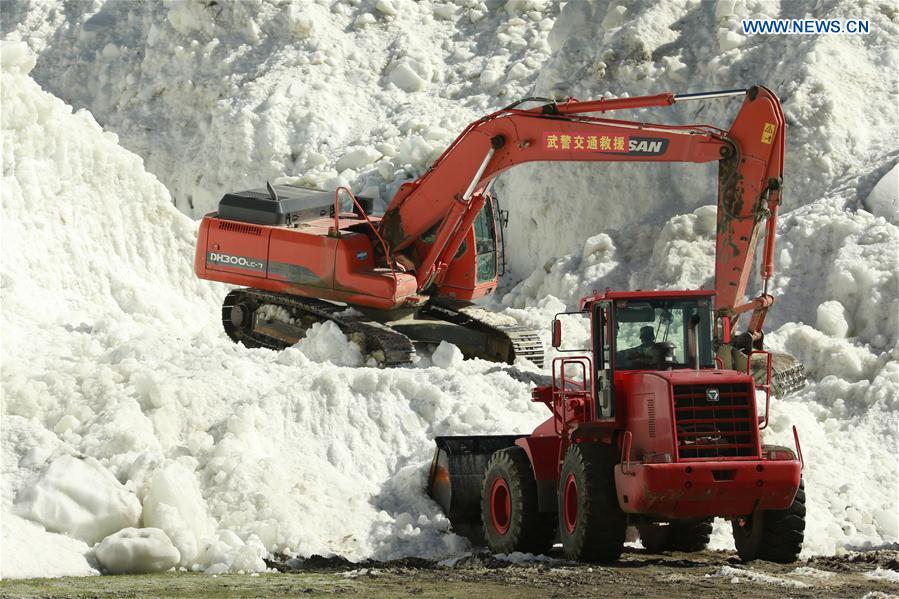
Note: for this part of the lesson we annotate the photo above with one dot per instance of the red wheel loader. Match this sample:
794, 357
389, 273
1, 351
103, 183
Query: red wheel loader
655, 423
304, 256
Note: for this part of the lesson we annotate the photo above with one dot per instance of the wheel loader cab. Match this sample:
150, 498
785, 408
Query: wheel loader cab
662, 333
634, 331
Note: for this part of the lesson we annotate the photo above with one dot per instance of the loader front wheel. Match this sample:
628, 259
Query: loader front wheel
773, 535
509, 509
591, 524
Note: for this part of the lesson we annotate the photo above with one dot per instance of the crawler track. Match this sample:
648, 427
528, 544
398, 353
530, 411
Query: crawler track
523, 342
244, 323
387, 346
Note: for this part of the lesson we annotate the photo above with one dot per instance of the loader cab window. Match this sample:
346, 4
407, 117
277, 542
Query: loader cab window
657, 334
485, 242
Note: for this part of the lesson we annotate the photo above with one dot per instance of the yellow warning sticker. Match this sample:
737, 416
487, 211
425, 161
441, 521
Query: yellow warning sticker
768, 133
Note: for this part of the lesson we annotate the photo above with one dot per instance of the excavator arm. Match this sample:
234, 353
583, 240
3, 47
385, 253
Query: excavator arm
750, 155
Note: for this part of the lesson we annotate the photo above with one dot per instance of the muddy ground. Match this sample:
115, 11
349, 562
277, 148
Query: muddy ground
707, 574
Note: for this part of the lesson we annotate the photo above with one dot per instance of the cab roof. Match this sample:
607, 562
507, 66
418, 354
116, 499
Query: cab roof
609, 294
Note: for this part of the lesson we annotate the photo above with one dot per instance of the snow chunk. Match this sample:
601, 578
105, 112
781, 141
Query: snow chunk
15, 56
386, 7
832, 319
80, 498
137, 551
325, 342
447, 356
409, 75
175, 505
357, 159
227, 552
28, 551
884, 198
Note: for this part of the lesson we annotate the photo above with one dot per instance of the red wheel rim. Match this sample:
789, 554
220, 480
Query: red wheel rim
500, 506
569, 503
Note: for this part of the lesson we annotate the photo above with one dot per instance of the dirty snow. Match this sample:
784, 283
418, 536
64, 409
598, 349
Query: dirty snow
741, 575
114, 362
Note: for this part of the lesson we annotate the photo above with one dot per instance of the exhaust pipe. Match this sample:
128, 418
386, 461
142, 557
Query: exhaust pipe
694, 324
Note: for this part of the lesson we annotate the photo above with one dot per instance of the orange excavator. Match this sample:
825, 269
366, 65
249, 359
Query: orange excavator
410, 275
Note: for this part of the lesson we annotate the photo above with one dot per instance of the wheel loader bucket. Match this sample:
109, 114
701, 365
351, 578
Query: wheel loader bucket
456, 476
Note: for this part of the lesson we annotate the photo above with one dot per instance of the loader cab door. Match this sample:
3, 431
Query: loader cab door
603, 350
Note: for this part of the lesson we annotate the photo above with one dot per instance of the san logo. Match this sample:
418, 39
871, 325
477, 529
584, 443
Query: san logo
647, 146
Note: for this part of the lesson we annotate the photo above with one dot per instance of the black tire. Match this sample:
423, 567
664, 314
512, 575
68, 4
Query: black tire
773, 535
680, 535
591, 524
513, 522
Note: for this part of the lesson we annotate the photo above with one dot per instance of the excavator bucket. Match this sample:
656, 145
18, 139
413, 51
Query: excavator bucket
787, 372
456, 477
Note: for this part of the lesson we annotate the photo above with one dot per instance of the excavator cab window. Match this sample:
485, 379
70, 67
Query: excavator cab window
485, 242
656, 334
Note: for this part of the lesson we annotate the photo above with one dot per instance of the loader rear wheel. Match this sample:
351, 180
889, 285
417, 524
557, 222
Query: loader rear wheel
509, 510
680, 535
591, 524
773, 535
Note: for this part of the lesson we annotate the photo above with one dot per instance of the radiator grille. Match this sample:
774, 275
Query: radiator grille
711, 425
651, 413
239, 228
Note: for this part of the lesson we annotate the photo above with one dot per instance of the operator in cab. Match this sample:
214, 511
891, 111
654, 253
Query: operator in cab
643, 355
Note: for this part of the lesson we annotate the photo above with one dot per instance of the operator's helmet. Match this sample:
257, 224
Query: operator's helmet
647, 334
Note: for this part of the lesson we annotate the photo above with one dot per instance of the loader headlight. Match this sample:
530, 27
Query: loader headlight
779, 453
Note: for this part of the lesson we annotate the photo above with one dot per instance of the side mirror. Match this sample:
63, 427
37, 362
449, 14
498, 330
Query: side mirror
557, 333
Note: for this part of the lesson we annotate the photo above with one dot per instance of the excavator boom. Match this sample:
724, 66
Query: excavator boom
750, 156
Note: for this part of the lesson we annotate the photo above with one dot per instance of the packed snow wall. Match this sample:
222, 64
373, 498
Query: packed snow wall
218, 96
116, 355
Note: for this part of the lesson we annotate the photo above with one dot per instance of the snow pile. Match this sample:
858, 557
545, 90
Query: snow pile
217, 96
118, 355
114, 360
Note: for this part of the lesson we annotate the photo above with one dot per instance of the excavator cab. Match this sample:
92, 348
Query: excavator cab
479, 262
487, 233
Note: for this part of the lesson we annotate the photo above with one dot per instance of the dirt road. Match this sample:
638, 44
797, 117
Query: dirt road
873, 575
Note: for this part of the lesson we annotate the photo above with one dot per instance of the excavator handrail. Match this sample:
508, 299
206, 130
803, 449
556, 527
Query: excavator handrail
387, 255
641, 125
